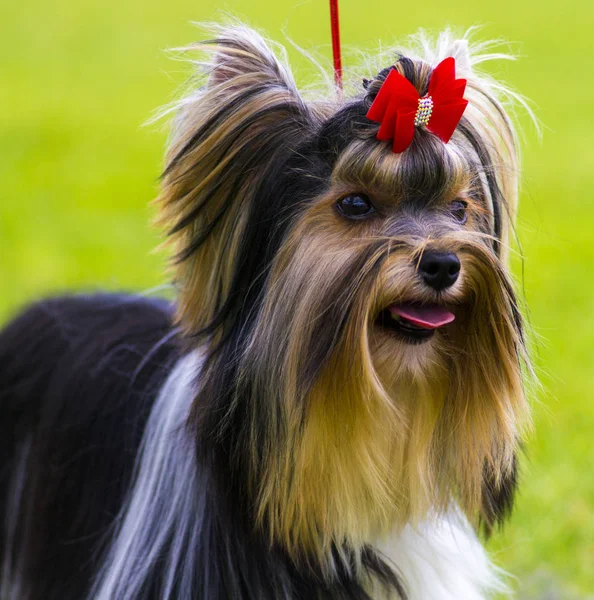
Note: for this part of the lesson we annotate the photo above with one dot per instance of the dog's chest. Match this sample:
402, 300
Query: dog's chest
442, 559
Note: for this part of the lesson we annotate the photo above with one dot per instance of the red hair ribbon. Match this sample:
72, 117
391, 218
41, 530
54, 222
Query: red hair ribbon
399, 108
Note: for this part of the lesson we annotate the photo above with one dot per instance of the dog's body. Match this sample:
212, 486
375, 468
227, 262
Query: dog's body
308, 421
80, 424
79, 377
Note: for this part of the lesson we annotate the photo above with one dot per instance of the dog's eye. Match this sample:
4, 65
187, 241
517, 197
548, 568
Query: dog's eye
458, 209
355, 206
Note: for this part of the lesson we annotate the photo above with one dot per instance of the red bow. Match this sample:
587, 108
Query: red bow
399, 108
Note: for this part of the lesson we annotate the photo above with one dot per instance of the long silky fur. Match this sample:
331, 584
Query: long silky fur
297, 449
330, 435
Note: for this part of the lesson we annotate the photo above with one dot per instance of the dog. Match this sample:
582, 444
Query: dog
333, 405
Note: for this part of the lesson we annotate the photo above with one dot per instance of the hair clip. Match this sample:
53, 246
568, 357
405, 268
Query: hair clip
399, 108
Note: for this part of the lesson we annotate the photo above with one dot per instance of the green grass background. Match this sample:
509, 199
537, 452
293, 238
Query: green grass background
77, 172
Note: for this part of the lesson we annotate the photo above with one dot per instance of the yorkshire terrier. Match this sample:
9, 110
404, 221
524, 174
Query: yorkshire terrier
332, 407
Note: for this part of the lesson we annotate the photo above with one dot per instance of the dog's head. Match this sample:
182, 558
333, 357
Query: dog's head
366, 346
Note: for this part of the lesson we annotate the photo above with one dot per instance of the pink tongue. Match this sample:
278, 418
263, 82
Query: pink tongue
428, 317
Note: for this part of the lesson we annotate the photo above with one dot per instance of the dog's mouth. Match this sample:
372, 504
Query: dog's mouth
414, 323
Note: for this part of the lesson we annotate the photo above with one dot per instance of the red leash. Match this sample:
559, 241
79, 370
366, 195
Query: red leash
336, 43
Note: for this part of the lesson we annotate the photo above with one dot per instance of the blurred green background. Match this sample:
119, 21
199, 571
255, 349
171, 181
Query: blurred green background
77, 172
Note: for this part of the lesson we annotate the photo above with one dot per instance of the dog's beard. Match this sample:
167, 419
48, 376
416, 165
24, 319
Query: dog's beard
363, 431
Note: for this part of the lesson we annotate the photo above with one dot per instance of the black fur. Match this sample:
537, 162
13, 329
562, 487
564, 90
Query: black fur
78, 376
489, 169
498, 498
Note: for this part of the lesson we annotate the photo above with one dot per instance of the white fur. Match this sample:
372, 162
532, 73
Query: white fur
162, 514
442, 559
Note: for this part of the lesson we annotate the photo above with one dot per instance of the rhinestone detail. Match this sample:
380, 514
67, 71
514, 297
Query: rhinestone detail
424, 111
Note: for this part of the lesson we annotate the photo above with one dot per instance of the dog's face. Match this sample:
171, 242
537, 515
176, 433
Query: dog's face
395, 253
358, 299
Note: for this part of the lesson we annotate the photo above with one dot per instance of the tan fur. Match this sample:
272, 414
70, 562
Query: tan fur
206, 174
390, 431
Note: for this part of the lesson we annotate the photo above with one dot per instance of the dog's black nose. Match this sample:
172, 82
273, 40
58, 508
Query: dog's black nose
439, 270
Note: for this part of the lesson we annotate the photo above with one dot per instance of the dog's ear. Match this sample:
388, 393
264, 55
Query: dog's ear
228, 138
487, 127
